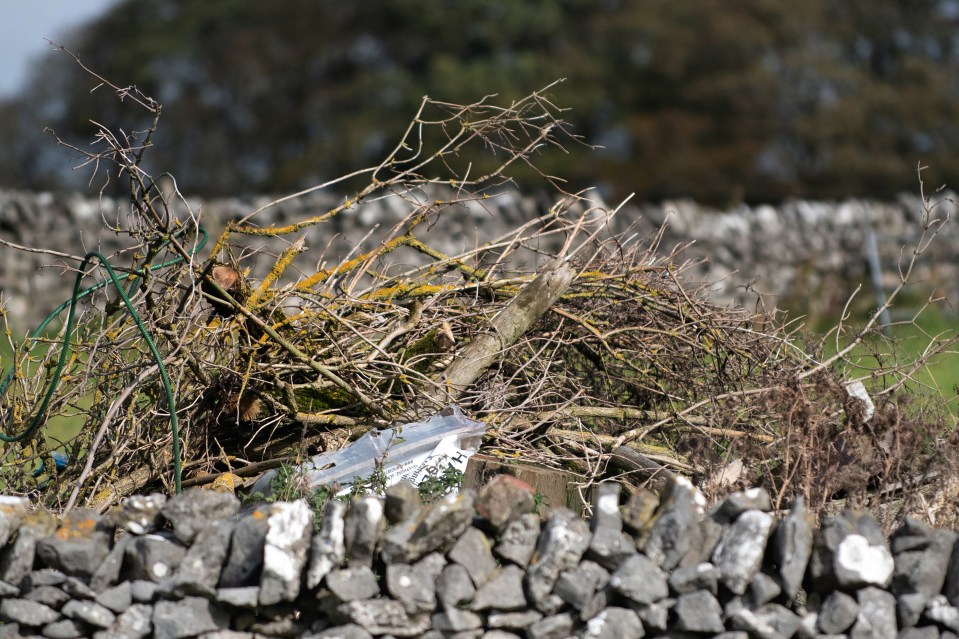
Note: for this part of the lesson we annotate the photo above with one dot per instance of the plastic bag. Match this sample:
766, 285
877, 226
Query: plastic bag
413, 451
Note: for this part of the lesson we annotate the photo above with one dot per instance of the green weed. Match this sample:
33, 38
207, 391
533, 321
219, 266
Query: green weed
292, 483
432, 488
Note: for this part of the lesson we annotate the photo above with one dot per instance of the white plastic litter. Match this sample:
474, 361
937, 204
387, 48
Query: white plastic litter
414, 451
858, 390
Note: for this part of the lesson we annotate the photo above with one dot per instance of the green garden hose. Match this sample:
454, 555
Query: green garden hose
125, 295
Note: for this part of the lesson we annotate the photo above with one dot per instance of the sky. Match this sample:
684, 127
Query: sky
24, 25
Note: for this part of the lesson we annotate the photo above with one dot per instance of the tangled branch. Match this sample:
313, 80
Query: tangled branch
579, 348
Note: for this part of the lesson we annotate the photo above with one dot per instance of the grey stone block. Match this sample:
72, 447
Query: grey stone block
791, 547
925, 632
89, 612
474, 552
414, 588
77, 589
48, 596
676, 527
139, 514
454, 586
288, 535
12, 511
436, 527
118, 598
241, 597
385, 616
503, 591
244, 563
615, 623
195, 509
877, 615
402, 502
771, 620
739, 554
640, 580
514, 620
17, 559
363, 527
43, 577
940, 611
837, 613
27, 613
576, 586
188, 617
909, 609
352, 584
517, 543
64, 629
922, 559
560, 547
199, 570
425, 574
153, 558
698, 612
143, 591
349, 631
328, 547
109, 570
703, 576
456, 620
730, 508
762, 589
552, 627
849, 551
638, 512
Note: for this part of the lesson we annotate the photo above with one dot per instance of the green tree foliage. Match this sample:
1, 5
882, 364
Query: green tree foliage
721, 101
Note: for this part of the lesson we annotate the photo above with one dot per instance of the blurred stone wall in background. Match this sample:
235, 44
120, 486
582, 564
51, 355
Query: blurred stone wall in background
805, 255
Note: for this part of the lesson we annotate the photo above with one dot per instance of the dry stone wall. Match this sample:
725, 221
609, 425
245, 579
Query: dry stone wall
812, 251
472, 565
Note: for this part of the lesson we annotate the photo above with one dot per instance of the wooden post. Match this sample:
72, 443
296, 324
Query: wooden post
557, 487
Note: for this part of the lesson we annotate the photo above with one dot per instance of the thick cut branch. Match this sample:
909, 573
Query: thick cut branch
629, 460
509, 325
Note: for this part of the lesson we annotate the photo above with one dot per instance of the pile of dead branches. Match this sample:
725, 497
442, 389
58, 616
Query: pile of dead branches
579, 349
